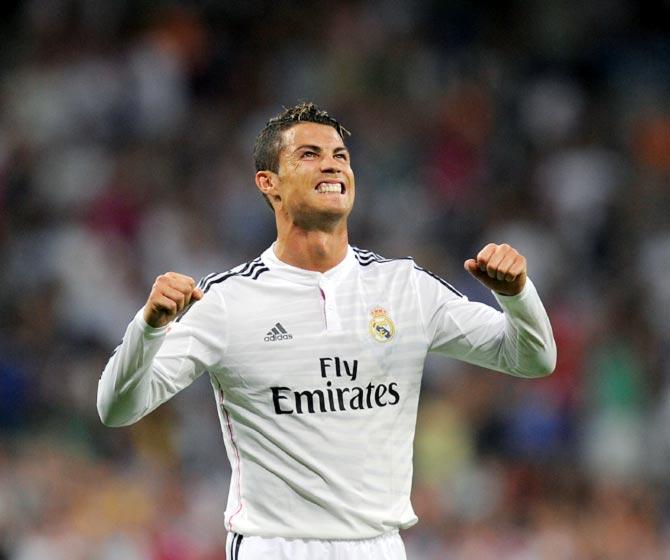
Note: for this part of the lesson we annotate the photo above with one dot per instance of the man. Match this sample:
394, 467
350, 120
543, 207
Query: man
315, 351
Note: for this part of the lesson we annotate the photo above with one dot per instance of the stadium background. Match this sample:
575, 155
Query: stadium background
126, 131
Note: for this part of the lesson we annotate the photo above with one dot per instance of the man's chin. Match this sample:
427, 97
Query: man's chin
322, 219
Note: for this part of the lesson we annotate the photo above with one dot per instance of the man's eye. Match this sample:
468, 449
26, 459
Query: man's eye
341, 156
309, 154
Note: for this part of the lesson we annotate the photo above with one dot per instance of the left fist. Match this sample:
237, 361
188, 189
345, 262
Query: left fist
500, 268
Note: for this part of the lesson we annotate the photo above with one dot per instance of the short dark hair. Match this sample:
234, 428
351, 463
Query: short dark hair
269, 141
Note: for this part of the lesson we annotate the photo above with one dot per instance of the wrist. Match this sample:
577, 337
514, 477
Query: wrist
147, 328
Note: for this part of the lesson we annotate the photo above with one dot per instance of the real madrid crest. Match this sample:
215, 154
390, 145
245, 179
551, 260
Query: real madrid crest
381, 327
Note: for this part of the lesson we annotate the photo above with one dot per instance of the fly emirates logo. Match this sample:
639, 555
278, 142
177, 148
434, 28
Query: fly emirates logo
286, 400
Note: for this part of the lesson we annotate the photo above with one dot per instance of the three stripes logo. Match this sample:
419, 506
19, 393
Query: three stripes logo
277, 333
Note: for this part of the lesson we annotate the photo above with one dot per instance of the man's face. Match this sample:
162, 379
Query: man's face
315, 181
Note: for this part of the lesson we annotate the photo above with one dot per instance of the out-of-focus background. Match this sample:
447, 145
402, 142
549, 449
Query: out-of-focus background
126, 131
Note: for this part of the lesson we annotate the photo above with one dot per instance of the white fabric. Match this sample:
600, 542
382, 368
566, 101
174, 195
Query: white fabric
385, 547
318, 420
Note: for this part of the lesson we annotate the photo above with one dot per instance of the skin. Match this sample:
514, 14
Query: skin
169, 295
312, 227
500, 268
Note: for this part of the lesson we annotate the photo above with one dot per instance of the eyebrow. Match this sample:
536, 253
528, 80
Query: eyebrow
319, 149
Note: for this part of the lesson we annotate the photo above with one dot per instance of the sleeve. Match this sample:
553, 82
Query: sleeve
518, 340
151, 365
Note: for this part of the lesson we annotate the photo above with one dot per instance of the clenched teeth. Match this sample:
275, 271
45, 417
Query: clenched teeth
330, 187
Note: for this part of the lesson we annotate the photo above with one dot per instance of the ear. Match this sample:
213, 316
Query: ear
266, 181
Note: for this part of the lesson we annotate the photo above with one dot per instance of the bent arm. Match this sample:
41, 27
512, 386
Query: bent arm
152, 364
518, 340
132, 384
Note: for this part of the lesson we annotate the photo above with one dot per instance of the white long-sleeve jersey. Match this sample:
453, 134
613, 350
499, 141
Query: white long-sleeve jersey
316, 378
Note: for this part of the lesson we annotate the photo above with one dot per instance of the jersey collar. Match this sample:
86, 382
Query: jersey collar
309, 277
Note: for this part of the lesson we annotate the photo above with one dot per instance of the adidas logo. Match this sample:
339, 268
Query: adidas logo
277, 333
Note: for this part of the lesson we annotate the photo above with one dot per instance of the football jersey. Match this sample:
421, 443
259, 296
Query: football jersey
316, 378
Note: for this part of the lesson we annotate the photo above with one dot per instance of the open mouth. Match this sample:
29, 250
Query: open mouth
330, 187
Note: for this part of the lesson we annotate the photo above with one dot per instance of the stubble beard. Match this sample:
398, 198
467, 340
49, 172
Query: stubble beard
327, 221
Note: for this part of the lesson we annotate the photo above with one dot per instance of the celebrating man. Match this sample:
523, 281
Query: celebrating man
315, 351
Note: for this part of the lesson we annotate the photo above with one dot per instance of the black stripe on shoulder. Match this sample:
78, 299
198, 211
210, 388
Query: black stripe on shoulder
221, 276
205, 279
259, 271
204, 284
366, 258
440, 280
252, 269
215, 277
364, 253
218, 279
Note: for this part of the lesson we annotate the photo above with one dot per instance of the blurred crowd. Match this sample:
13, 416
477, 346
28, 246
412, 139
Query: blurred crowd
126, 132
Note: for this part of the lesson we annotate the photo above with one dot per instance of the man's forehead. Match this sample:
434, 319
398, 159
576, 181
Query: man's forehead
314, 134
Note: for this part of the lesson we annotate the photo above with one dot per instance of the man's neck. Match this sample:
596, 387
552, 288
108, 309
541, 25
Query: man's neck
312, 250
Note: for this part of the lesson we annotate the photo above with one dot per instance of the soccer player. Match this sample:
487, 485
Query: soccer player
315, 352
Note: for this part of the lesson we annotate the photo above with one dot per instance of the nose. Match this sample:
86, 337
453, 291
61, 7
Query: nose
330, 164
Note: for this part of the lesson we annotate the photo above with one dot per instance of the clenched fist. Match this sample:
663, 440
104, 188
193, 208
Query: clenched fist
170, 294
500, 268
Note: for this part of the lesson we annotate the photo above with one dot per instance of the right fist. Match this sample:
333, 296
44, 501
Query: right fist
170, 294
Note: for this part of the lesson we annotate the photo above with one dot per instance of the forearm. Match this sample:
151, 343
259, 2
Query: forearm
527, 347
518, 341
124, 390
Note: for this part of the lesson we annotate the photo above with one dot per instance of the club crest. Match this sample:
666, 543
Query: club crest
381, 327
